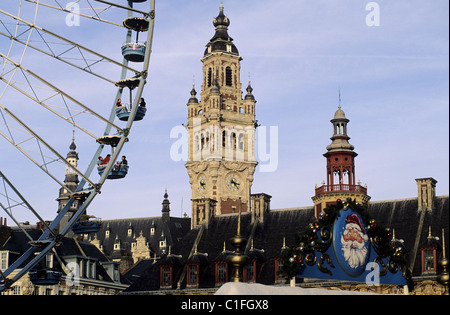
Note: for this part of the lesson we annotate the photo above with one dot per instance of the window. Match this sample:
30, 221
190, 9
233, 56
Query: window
221, 273
166, 276
241, 141
250, 272
278, 269
228, 76
92, 270
16, 290
3, 260
429, 260
193, 273
209, 76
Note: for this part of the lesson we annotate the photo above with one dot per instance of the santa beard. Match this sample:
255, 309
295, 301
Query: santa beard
354, 252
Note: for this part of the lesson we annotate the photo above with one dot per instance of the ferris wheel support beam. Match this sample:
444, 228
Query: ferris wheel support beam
123, 7
47, 145
23, 202
60, 91
32, 160
52, 244
57, 57
145, 66
22, 259
43, 104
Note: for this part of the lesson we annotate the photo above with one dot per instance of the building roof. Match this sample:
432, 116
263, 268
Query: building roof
221, 41
265, 240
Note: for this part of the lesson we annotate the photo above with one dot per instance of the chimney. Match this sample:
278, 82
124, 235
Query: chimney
260, 206
426, 188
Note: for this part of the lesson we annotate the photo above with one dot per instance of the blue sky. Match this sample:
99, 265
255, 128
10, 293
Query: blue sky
393, 80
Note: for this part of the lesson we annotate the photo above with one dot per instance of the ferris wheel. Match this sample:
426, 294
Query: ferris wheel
69, 67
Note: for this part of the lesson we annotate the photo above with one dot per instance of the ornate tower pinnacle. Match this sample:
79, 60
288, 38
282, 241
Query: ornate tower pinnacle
238, 259
340, 157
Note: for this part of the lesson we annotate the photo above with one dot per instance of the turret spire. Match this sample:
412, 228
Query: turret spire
221, 41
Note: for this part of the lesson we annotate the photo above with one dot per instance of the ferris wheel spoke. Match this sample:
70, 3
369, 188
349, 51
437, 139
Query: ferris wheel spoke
62, 93
72, 112
66, 41
41, 141
18, 201
131, 9
95, 11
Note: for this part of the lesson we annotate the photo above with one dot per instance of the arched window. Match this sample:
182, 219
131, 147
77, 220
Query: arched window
224, 138
241, 141
209, 77
228, 76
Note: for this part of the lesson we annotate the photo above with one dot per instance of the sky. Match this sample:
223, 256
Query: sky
388, 59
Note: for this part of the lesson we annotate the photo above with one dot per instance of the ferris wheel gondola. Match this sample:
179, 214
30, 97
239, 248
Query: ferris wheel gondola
23, 30
135, 51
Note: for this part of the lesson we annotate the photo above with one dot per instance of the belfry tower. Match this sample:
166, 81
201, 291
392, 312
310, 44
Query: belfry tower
221, 128
71, 181
340, 157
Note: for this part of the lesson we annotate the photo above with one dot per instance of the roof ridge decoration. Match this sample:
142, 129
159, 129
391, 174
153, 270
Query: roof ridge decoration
345, 244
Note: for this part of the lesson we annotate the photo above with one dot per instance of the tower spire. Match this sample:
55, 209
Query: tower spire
339, 98
341, 178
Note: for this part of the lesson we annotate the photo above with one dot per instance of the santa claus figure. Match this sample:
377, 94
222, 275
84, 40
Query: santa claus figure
354, 241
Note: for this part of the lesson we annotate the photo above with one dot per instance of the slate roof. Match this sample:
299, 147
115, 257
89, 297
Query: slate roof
172, 231
401, 215
17, 244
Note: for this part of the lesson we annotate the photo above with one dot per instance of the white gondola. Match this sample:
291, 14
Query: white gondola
134, 52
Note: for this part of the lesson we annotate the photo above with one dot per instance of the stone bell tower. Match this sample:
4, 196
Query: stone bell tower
71, 181
340, 168
221, 128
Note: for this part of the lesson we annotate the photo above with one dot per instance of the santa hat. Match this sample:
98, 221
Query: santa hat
353, 218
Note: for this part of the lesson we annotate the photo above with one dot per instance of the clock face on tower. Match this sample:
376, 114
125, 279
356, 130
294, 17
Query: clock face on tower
201, 183
233, 182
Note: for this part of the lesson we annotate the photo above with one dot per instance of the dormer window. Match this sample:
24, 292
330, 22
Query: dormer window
429, 260
152, 231
249, 271
4, 260
221, 272
130, 231
192, 278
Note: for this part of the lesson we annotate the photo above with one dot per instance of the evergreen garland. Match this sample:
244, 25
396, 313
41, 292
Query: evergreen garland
294, 256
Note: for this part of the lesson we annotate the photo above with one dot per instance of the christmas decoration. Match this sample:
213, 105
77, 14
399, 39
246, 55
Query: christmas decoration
310, 247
